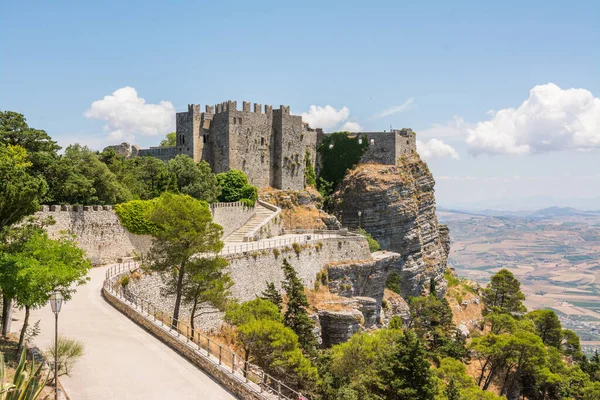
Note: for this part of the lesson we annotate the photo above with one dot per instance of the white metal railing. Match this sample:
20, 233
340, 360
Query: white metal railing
252, 376
308, 237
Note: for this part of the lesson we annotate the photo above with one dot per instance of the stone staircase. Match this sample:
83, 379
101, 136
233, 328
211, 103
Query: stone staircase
262, 213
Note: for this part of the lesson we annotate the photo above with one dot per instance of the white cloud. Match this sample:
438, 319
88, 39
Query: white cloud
457, 127
126, 115
325, 117
351, 126
395, 109
436, 148
551, 119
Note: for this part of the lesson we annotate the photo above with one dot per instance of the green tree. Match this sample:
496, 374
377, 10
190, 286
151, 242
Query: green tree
339, 153
206, 286
268, 343
80, 177
272, 294
150, 177
196, 180
547, 326
296, 315
42, 150
20, 193
235, 187
503, 294
185, 229
570, 345
257, 309
169, 140
33, 266
387, 364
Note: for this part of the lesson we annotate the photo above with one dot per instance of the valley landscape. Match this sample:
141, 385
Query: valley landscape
554, 252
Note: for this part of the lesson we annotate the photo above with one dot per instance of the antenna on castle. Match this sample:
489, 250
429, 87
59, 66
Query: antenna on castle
391, 127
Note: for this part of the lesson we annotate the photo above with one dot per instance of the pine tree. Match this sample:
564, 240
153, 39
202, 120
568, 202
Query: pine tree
296, 315
272, 294
503, 294
452, 392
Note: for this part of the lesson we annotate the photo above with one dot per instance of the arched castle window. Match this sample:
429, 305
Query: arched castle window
262, 141
262, 159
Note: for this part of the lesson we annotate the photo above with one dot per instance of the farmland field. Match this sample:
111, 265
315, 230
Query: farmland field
556, 258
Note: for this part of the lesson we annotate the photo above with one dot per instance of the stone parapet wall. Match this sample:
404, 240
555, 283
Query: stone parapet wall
98, 231
231, 216
272, 226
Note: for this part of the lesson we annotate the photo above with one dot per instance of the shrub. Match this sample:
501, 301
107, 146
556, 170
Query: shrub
339, 153
319, 246
133, 216
393, 282
450, 278
124, 280
297, 248
69, 351
373, 243
248, 203
276, 252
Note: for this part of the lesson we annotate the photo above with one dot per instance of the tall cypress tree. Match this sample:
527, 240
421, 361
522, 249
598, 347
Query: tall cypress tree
296, 315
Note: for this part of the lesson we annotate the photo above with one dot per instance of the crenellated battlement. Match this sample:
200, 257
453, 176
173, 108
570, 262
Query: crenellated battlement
71, 208
247, 107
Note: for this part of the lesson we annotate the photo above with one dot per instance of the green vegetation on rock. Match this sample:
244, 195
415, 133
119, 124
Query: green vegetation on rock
134, 216
373, 243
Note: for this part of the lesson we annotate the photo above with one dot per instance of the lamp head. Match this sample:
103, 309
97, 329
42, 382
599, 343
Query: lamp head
56, 300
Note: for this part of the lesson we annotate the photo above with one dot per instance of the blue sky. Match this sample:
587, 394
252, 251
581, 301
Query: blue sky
441, 65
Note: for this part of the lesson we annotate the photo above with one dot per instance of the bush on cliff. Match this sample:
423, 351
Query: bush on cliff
373, 243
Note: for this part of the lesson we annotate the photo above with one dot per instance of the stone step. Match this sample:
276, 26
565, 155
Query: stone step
239, 235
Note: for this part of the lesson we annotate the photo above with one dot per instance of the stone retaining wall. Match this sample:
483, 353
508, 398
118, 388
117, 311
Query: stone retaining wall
98, 232
231, 216
225, 378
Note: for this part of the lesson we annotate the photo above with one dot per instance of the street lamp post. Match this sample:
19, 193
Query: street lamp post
56, 301
359, 214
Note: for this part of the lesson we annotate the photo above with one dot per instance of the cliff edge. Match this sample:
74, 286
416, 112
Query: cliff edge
397, 207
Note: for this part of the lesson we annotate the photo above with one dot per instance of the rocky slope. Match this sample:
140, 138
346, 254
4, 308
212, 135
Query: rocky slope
397, 207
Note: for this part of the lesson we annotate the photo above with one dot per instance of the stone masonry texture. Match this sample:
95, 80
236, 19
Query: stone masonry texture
269, 145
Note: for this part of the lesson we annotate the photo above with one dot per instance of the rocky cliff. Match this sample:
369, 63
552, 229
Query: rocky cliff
397, 207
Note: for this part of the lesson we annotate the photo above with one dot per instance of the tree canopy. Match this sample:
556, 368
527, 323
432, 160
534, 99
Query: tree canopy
169, 140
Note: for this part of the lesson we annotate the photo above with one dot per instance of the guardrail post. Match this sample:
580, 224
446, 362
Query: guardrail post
208, 346
220, 351
246, 370
233, 363
278, 389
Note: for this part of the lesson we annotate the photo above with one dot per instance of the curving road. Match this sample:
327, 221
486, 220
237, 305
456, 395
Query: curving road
121, 361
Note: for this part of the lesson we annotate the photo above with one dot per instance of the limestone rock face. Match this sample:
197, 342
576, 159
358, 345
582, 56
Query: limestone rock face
397, 207
396, 306
338, 326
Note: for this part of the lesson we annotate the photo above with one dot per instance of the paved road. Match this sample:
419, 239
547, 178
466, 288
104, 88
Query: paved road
121, 361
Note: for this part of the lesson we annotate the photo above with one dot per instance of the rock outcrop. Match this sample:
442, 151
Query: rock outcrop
397, 207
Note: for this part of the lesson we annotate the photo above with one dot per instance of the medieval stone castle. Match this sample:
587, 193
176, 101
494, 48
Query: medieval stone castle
269, 145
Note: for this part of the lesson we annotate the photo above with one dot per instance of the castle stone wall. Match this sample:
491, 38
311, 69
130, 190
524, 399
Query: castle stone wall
98, 232
162, 153
387, 147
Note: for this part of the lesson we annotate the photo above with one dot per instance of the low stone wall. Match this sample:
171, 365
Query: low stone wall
98, 232
269, 228
171, 339
231, 216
